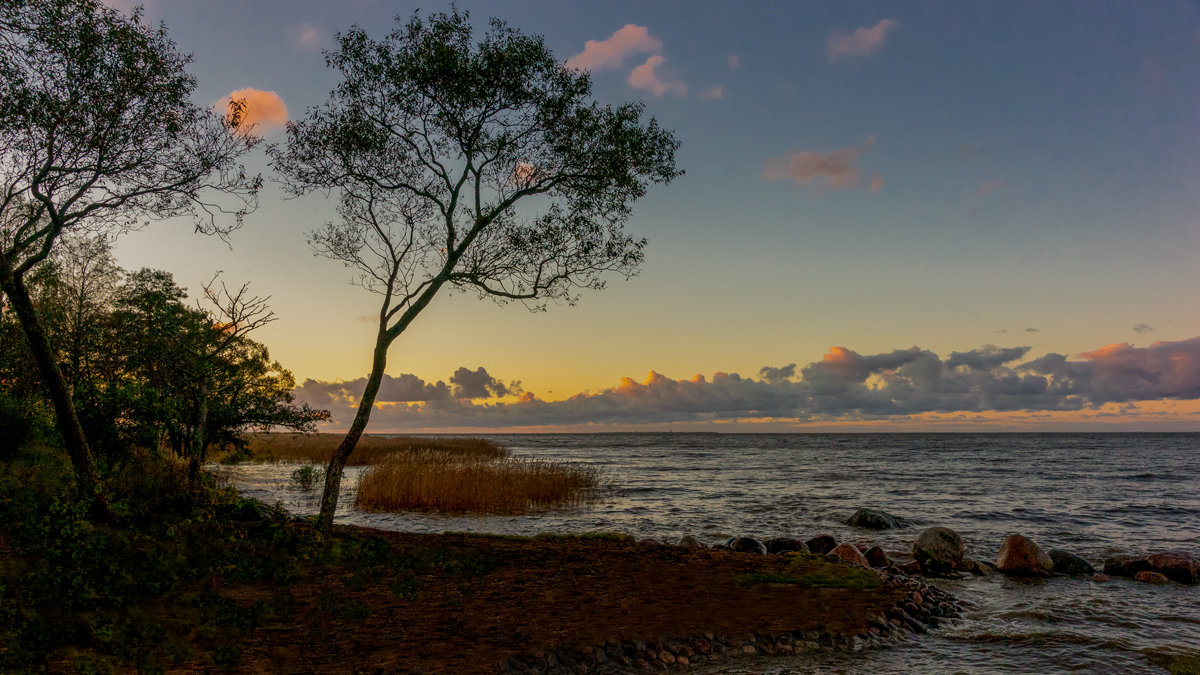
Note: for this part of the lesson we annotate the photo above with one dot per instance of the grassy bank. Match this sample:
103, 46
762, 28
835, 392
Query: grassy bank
318, 448
201, 579
452, 475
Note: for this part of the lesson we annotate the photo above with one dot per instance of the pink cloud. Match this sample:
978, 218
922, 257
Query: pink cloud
309, 36
876, 182
265, 110
646, 77
714, 92
735, 62
861, 42
611, 53
837, 167
984, 188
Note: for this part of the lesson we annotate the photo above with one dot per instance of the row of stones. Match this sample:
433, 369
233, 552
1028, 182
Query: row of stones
922, 606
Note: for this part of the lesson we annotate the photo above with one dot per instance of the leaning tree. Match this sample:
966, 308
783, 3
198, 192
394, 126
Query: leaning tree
98, 132
479, 165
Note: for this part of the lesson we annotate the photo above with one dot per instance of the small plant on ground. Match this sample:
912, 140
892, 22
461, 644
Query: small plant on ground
308, 475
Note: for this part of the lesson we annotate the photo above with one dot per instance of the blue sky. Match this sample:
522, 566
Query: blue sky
946, 175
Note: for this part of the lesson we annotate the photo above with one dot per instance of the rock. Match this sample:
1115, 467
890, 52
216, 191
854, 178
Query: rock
876, 557
1151, 577
910, 568
875, 520
850, 554
1176, 566
1100, 578
1070, 564
747, 545
1020, 557
688, 541
1125, 566
938, 550
980, 568
785, 544
821, 544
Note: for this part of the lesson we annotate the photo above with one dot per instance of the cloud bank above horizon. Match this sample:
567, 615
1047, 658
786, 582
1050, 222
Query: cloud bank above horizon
843, 386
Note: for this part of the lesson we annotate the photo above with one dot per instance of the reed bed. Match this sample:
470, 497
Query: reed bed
457, 483
318, 448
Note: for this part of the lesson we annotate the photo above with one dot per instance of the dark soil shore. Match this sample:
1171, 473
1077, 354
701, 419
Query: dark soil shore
478, 601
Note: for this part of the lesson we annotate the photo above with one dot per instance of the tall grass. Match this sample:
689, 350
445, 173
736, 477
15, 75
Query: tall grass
457, 483
318, 448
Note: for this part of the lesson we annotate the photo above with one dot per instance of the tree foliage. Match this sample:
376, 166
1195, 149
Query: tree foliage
98, 133
481, 165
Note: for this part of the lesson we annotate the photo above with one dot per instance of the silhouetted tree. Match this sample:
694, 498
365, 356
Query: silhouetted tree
98, 132
432, 140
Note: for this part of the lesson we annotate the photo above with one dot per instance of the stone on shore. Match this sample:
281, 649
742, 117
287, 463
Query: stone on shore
1176, 566
688, 541
1125, 566
747, 545
876, 557
871, 519
850, 554
784, 545
1070, 564
1020, 557
938, 550
1149, 577
821, 544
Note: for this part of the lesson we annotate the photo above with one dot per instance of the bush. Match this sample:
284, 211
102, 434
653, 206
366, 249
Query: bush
23, 420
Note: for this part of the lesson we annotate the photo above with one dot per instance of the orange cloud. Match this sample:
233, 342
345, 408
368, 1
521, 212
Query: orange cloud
714, 92
646, 77
836, 167
861, 42
610, 53
1115, 349
265, 110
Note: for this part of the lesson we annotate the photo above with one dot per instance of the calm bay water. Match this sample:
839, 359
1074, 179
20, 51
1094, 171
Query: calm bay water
1095, 495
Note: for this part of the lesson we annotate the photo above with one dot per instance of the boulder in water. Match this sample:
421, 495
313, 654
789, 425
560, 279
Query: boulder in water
688, 541
1146, 576
871, 519
1020, 557
1070, 564
1176, 566
980, 568
1125, 566
850, 554
876, 557
747, 545
821, 544
938, 550
785, 544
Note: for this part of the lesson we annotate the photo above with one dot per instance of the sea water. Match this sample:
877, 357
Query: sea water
1095, 495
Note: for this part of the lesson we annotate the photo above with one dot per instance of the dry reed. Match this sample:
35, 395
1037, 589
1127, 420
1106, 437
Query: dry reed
318, 448
440, 481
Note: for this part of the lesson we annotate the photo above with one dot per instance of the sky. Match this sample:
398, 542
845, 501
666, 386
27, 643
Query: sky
895, 216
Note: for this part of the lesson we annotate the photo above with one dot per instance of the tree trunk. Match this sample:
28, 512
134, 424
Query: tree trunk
333, 473
68, 420
197, 442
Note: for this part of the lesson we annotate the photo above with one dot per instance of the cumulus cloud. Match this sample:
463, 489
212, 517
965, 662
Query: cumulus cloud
862, 42
611, 53
479, 384
647, 77
843, 385
773, 375
265, 110
714, 92
837, 168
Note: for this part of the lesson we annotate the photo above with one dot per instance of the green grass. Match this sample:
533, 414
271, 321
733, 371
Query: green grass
809, 570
